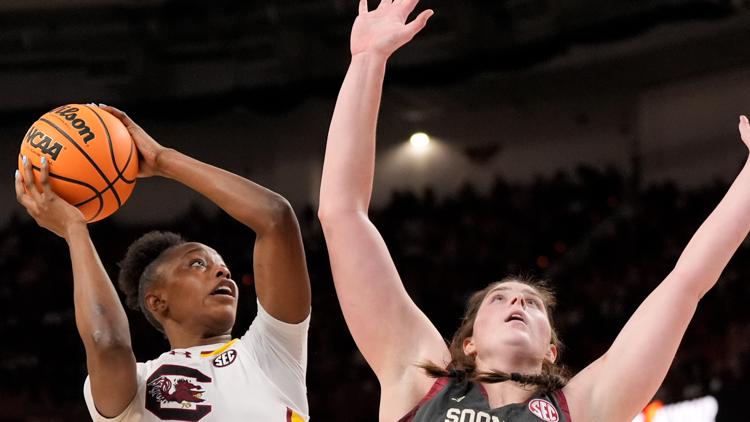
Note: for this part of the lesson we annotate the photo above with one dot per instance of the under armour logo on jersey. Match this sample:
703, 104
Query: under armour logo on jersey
180, 352
544, 410
458, 400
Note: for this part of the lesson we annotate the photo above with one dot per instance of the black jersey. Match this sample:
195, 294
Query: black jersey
452, 401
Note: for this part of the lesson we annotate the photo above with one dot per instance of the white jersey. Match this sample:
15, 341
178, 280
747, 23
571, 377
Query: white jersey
257, 378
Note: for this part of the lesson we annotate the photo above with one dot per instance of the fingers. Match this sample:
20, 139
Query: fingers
114, 111
406, 6
121, 115
419, 22
362, 7
384, 3
28, 179
44, 177
21, 195
744, 127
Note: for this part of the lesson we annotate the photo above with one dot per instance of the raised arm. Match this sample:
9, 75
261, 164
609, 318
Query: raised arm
390, 331
100, 317
620, 383
281, 279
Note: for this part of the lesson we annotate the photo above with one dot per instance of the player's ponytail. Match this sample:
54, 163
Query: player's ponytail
546, 382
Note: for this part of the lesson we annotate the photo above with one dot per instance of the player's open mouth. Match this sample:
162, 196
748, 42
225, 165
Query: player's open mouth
516, 316
224, 288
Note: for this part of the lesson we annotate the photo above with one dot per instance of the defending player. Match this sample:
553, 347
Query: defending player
500, 365
186, 291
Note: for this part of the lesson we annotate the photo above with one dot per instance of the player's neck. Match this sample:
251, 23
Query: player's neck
503, 393
187, 343
180, 338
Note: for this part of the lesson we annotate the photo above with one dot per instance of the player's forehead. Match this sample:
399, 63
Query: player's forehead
190, 249
514, 287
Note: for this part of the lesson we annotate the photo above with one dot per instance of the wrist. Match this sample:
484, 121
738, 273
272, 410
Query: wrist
370, 57
161, 158
75, 230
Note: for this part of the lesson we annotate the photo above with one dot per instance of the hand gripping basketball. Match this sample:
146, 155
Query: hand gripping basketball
48, 209
148, 149
93, 162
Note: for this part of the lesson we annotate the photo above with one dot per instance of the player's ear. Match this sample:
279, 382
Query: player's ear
469, 347
551, 354
156, 302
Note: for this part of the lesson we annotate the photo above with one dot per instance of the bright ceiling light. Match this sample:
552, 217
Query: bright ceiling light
419, 141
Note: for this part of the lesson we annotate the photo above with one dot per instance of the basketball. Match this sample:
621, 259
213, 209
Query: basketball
93, 161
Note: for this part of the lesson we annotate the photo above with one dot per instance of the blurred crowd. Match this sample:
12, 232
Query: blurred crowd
602, 240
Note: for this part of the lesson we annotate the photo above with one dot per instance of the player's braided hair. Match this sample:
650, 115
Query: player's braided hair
137, 273
463, 367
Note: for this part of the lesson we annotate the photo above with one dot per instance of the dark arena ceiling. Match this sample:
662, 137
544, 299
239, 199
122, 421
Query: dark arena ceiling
151, 51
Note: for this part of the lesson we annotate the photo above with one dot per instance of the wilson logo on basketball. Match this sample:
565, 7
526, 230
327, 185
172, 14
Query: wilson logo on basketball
544, 410
71, 114
43, 142
225, 359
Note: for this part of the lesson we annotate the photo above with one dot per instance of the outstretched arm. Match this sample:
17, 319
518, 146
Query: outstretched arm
390, 331
100, 317
620, 383
281, 278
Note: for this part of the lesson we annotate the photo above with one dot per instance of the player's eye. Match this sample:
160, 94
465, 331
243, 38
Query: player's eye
197, 263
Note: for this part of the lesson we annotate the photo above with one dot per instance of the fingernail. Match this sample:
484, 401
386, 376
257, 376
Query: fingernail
15, 176
25, 160
44, 160
102, 105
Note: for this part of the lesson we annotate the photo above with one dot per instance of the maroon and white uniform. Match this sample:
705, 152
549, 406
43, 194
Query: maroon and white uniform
258, 377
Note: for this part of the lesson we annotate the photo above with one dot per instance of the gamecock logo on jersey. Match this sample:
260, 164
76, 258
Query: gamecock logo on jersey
544, 410
173, 393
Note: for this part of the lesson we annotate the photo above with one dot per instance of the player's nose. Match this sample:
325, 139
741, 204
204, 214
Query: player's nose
223, 272
518, 299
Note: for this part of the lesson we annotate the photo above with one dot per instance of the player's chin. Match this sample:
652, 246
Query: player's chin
221, 322
225, 305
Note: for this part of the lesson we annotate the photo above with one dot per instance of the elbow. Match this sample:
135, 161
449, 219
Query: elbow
104, 342
325, 214
689, 285
333, 209
279, 215
337, 204
330, 215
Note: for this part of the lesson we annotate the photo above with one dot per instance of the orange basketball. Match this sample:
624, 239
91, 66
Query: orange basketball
93, 161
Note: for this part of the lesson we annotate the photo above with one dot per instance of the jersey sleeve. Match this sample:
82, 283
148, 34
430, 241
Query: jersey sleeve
281, 352
129, 413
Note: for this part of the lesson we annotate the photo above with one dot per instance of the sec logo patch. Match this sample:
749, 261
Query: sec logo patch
225, 359
544, 410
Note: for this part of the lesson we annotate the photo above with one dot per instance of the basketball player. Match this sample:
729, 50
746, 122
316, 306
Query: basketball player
186, 291
500, 365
